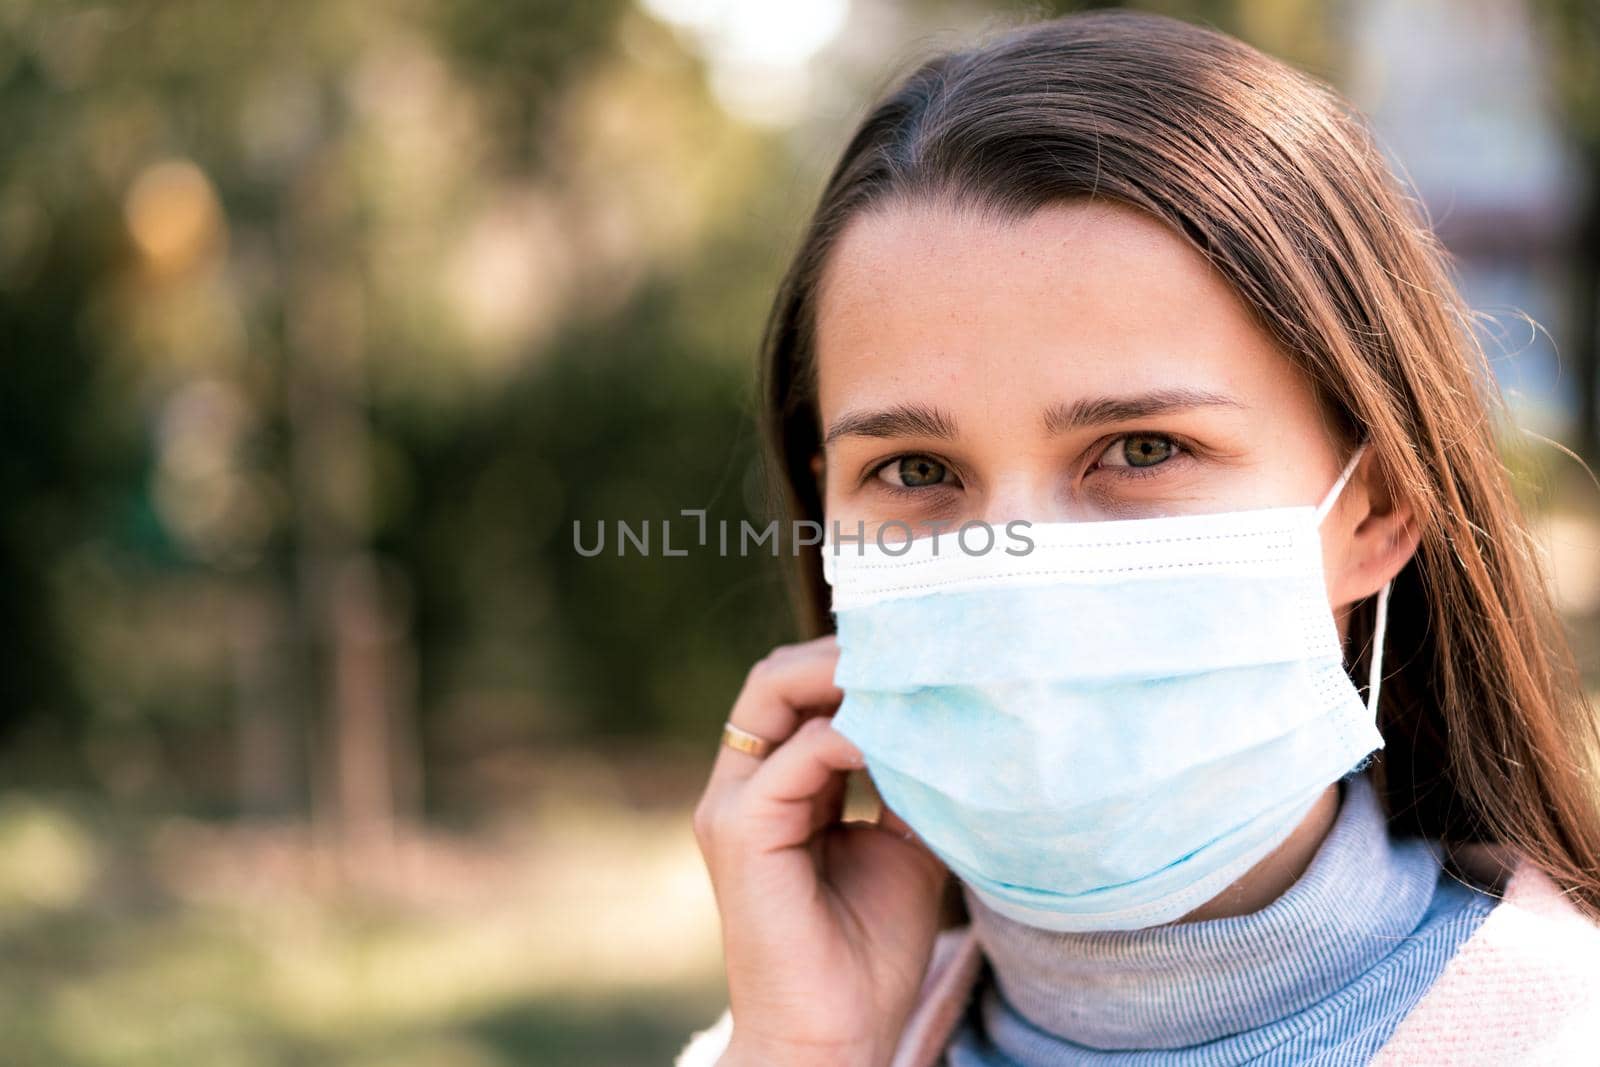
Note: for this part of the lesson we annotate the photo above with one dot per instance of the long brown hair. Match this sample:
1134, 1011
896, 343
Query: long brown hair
1274, 178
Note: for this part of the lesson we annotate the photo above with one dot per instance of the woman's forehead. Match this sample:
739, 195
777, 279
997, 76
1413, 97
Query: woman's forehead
1077, 299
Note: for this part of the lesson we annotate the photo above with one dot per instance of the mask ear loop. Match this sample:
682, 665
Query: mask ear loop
1332, 496
1381, 621
1379, 625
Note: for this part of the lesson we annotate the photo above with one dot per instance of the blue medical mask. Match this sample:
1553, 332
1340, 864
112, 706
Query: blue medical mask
1107, 731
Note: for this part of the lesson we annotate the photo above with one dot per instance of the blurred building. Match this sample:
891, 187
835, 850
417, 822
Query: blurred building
1456, 92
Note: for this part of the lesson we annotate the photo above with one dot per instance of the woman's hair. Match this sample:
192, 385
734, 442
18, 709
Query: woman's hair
1269, 173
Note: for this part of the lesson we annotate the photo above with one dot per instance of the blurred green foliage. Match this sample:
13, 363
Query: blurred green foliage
491, 244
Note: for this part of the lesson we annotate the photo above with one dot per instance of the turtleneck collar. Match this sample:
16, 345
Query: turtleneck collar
1182, 984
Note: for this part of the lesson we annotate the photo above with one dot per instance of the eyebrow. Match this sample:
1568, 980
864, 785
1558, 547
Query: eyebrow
1093, 410
902, 420
919, 420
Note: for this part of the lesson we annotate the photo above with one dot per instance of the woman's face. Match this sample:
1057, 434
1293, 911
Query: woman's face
1082, 364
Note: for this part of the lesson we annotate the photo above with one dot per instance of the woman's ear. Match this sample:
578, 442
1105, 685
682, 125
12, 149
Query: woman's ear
817, 470
1382, 542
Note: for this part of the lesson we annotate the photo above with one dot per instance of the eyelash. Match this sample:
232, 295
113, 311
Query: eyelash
907, 490
1181, 449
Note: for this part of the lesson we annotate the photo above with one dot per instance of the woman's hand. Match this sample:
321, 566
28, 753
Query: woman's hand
827, 927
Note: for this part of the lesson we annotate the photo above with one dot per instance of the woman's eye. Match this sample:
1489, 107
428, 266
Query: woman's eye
913, 472
1139, 450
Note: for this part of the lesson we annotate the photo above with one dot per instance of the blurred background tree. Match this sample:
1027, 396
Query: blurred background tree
323, 324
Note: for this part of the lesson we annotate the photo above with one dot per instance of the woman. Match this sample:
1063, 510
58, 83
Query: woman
1131, 295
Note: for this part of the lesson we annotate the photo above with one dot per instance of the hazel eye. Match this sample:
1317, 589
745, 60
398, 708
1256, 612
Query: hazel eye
1139, 450
914, 472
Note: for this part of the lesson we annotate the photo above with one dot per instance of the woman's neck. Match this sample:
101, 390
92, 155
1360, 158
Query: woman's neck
1271, 878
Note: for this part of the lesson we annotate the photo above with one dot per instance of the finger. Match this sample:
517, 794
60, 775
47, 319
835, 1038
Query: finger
828, 805
827, 809
777, 803
776, 694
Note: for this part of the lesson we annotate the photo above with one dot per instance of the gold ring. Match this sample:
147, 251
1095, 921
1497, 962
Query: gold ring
746, 742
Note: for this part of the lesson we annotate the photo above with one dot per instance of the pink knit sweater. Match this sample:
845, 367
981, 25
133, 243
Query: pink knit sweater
1524, 989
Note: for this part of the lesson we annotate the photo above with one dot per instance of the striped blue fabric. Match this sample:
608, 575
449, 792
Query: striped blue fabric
1322, 975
